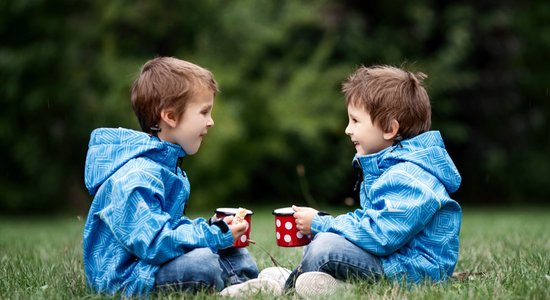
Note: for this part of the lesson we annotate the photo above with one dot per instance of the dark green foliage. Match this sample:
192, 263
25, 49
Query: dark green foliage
66, 68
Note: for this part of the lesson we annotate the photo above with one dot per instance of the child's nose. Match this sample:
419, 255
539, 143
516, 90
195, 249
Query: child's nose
348, 130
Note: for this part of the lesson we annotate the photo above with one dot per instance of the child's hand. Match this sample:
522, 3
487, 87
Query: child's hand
303, 217
236, 229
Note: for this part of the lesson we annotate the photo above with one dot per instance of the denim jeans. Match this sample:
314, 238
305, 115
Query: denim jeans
333, 254
201, 269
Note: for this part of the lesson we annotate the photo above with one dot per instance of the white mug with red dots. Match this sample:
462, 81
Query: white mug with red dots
285, 229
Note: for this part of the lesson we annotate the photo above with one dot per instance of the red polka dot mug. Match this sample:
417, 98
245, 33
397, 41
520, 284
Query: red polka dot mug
229, 211
285, 229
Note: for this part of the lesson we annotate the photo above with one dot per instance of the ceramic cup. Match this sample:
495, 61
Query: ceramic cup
285, 229
229, 211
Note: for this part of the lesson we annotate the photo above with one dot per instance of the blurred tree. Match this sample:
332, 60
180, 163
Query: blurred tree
66, 68
46, 70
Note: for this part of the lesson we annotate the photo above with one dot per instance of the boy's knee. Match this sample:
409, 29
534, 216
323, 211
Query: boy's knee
202, 266
324, 245
205, 262
207, 275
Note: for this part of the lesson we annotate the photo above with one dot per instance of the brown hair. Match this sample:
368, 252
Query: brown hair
388, 93
167, 83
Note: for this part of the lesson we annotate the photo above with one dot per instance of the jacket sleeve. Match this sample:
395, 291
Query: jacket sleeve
136, 218
401, 206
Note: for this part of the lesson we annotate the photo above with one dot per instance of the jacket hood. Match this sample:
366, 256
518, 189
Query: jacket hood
426, 150
111, 148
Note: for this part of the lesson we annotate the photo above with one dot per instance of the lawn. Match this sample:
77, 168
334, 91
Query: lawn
41, 258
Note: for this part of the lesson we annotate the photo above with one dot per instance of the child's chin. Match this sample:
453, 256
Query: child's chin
191, 151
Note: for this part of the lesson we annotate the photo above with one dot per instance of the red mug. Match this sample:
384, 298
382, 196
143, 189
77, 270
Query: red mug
285, 229
227, 211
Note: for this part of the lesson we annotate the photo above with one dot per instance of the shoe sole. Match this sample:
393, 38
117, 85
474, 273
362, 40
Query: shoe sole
276, 273
311, 284
252, 287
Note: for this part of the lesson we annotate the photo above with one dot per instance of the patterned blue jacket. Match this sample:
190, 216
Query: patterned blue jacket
406, 217
136, 221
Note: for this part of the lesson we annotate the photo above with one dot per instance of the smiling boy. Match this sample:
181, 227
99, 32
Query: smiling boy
407, 228
136, 237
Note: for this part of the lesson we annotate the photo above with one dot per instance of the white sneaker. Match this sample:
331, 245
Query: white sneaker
253, 287
312, 284
276, 273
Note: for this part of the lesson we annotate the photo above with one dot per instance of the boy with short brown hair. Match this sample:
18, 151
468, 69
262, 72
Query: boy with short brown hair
136, 237
407, 228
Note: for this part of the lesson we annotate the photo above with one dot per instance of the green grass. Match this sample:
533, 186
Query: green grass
41, 258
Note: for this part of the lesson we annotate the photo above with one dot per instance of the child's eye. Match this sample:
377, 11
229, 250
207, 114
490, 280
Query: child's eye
206, 110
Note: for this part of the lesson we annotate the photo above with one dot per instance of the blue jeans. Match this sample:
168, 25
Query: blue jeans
201, 269
333, 254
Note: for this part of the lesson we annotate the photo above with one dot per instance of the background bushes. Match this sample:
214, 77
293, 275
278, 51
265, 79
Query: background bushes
66, 68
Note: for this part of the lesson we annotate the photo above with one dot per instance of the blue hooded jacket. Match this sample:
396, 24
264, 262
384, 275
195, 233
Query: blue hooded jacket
406, 217
136, 221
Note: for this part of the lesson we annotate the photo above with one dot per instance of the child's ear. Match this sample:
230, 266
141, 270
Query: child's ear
169, 117
394, 129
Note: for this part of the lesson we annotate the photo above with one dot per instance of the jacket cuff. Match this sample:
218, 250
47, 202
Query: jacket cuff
321, 223
221, 239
